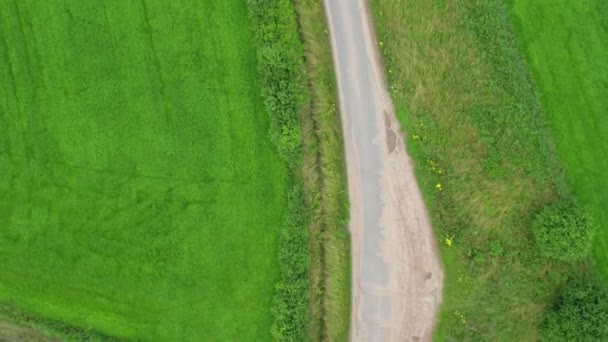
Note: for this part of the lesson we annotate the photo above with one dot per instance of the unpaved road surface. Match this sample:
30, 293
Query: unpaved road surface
10, 332
397, 276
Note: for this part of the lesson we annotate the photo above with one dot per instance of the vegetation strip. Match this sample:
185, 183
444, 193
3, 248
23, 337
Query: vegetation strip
485, 161
313, 297
324, 166
280, 66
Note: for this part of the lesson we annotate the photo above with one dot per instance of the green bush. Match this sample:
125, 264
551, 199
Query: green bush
280, 56
280, 65
563, 231
579, 314
291, 300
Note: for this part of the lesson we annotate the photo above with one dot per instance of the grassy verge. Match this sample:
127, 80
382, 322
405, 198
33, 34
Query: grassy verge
566, 43
483, 158
325, 184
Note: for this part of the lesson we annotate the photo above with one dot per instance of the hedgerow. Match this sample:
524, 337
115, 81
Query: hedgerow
280, 66
291, 300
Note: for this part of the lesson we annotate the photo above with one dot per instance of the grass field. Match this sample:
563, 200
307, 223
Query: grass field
140, 196
484, 158
566, 43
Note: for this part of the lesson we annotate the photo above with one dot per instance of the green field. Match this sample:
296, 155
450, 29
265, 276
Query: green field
140, 195
466, 98
566, 43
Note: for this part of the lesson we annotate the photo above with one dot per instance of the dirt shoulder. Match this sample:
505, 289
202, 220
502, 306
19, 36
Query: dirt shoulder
12, 332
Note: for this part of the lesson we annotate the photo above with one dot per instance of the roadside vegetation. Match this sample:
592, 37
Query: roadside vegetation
324, 175
312, 300
486, 162
280, 66
140, 195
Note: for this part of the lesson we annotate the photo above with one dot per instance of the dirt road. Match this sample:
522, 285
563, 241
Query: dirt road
397, 276
10, 332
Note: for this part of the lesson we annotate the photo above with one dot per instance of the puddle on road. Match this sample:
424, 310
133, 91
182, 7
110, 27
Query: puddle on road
391, 136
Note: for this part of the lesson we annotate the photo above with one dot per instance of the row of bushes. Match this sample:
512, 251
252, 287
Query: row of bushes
280, 52
280, 68
291, 299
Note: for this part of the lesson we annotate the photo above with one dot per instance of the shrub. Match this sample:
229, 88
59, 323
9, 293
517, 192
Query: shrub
280, 66
563, 231
579, 314
291, 299
280, 57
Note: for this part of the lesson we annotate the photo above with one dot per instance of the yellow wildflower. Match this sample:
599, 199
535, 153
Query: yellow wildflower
449, 241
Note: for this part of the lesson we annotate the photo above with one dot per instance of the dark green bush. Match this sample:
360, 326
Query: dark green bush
280, 65
291, 300
580, 313
563, 231
280, 56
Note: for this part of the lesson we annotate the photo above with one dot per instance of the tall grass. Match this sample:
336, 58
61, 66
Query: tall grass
464, 95
313, 296
325, 179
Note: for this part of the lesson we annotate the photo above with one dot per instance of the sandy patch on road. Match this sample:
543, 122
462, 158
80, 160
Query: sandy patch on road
409, 249
411, 245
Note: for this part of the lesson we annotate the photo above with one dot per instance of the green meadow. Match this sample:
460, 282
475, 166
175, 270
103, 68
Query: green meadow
505, 107
484, 158
566, 43
140, 194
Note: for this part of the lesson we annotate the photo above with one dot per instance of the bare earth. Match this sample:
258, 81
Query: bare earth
397, 275
10, 332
